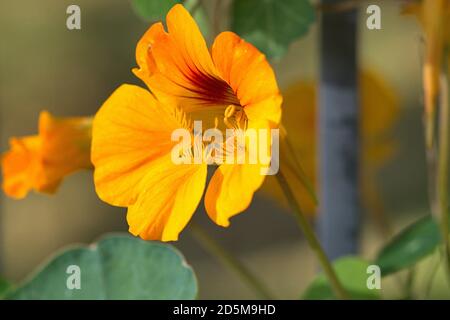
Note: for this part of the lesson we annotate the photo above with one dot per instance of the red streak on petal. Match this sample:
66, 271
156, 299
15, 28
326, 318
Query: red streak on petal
208, 89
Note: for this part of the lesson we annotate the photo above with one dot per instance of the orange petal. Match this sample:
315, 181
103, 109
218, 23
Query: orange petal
176, 65
170, 197
130, 131
245, 68
231, 190
66, 144
268, 109
186, 34
21, 166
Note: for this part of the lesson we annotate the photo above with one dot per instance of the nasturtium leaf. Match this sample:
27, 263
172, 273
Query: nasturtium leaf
153, 10
413, 244
117, 267
156, 10
271, 25
352, 272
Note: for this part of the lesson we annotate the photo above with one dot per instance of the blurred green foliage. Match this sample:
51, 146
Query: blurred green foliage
352, 272
4, 287
153, 10
410, 246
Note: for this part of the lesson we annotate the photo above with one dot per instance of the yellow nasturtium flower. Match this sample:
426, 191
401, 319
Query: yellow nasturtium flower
434, 17
41, 161
379, 112
230, 87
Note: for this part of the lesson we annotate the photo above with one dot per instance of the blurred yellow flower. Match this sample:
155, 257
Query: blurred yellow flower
40, 162
378, 114
231, 87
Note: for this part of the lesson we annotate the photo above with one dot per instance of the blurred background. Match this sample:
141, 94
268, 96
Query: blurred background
70, 73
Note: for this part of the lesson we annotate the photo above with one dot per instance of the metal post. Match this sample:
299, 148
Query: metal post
339, 216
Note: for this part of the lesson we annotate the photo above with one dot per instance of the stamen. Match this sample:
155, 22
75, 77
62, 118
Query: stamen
229, 111
216, 123
234, 117
228, 123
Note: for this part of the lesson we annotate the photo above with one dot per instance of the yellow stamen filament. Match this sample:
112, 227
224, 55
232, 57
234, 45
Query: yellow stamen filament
234, 117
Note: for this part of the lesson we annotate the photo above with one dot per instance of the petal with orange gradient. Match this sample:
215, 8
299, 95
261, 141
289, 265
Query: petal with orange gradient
245, 68
130, 131
268, 110
232, 186
169, 198
21, 166
65, 145
176, 65
231, 190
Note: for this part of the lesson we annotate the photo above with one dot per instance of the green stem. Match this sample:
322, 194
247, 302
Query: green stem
409, 285
433, 273
298, 170
215, 249
312, 240
442, 169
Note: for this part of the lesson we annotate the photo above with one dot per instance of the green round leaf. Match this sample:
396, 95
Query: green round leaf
352, 272
153, 10
271, 25
117, 267
410, 246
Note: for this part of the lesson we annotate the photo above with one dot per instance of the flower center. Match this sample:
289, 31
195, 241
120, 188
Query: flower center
215, 103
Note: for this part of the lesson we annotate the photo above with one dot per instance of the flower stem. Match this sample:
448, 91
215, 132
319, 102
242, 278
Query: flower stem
225, 257
433, 273
298, 170
442, 169
312, 240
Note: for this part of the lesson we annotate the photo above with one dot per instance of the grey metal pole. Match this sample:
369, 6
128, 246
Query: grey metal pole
339, 215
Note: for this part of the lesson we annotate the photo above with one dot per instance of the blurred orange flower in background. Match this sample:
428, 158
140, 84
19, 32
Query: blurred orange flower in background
379, 112
40, 162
